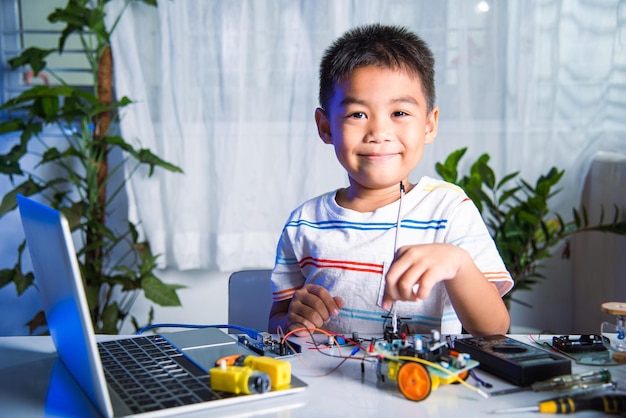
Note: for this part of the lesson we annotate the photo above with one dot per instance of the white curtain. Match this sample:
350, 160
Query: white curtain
227, 90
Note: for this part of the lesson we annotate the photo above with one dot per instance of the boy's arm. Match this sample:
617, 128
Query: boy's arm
278, 316
311, 307
477, 302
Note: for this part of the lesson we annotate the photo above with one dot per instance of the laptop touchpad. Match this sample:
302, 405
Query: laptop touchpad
206, 345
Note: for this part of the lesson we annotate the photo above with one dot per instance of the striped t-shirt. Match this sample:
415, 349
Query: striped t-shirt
349, 252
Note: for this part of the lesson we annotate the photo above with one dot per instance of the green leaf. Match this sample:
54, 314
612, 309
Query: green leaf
528, 218
49, 107
81, 19
445, 173
9, 201
53, 154
454, 157
585, 216
146, 156
483, 197
6, 276
109, 317
13, 125
39, 320
36, 92
23, 281
10, 163
33, 57
506, 179
449, 169
618, 228
487, 175
507, 194
159, 292
133, 232
93, 295
576, 217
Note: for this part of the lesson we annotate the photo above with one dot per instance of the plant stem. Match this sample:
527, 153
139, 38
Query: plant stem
104, 90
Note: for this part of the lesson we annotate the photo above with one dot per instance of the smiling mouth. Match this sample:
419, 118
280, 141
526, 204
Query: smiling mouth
379, 157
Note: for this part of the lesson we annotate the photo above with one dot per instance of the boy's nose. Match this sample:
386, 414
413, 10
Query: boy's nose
379, 130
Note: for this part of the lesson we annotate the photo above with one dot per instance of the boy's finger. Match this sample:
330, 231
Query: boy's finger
387, 304
330, 305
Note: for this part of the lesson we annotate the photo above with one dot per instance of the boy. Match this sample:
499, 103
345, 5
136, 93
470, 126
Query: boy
347, 257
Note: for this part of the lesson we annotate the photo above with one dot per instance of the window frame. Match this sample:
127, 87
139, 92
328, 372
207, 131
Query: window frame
12, 43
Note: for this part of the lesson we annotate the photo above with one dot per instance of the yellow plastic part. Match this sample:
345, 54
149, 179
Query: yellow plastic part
414, 381
436, 381
279, 371
237, 379
392, 370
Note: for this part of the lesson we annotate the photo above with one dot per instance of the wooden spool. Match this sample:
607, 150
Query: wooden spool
614, 308
618, 309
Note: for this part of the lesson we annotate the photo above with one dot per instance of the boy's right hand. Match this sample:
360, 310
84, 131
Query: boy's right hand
311, 307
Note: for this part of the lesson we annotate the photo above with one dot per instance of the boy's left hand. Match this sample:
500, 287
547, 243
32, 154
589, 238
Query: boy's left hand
417, 268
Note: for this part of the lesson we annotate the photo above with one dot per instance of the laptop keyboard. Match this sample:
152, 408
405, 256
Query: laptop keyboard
149, 374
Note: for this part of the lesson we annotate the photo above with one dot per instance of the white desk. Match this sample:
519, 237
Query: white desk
26, 364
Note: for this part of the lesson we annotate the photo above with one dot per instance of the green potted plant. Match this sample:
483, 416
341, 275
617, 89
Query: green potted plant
114, 264
519, 218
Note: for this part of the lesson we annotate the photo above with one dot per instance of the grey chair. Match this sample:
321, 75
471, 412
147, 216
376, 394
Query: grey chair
249, 299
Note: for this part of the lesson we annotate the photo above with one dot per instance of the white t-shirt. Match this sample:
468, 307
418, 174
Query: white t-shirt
349, 252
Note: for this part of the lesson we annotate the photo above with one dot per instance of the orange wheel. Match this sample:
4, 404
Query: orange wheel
414, 381
462, 376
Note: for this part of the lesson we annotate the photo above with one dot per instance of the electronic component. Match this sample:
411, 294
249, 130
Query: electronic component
279, 371
420, 363
239, 380
578, 343
512, 360
265, 345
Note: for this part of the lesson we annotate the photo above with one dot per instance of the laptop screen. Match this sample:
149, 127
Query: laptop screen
59, 281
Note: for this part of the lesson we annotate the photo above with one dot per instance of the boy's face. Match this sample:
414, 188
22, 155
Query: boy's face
378, 123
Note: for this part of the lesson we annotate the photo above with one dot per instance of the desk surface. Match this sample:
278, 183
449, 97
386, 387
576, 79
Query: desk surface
26, 364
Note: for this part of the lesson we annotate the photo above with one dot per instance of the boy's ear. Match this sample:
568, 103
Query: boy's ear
323, 126
432, 126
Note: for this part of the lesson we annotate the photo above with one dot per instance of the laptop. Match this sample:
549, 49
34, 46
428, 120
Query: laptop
112, 373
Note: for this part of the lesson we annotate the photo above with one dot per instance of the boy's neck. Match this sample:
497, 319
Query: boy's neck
368, 200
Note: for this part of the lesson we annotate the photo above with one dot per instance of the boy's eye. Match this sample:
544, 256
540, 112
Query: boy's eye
357, 115
399, 113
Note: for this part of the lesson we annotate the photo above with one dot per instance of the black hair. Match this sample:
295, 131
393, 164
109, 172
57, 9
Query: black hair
379, 45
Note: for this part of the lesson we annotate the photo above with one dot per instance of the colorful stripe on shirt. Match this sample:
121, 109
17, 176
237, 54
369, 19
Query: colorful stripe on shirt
364, 226
496, 275
340, 225
284, 294
341, 265
382, 317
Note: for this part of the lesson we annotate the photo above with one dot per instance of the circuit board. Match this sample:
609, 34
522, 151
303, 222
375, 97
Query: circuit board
266, 345
446, 363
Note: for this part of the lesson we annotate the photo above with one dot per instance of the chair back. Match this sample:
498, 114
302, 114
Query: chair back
249, 299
